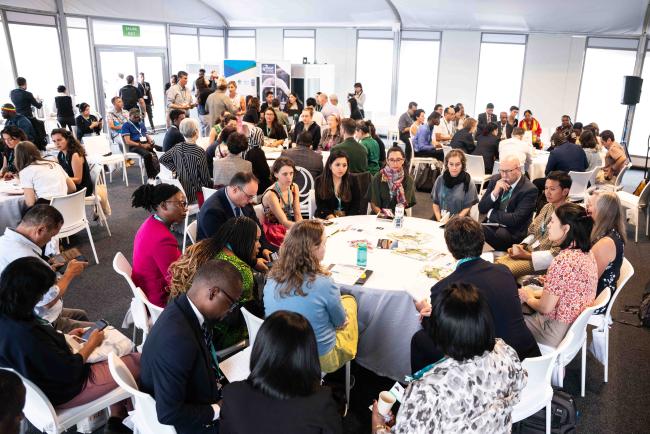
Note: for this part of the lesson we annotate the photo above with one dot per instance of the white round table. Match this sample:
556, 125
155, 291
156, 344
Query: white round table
538, 166
12, 205
273, 154
386, 314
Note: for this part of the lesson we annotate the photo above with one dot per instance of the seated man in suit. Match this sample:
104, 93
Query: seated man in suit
484, 119
464, 239
231, 201
509, 203
179, 367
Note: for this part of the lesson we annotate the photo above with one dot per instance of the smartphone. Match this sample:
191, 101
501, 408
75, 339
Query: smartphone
99, 325
80, 258
274, 257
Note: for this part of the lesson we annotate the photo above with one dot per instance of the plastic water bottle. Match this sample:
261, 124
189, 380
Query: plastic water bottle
398, 221
362, 254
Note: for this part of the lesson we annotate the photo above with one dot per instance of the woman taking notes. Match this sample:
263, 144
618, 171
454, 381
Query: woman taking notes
299, 283
454, 193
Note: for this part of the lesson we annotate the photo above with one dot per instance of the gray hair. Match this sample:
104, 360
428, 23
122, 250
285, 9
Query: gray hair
189, 128
333, 97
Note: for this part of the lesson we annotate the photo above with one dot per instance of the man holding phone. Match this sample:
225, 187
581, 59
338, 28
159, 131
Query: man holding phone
134, 134
36, 229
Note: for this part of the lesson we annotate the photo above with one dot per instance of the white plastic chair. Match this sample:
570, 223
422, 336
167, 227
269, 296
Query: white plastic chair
97, 173
143, 416
73, 209
579, 183
97, 149
578, 343
446, 149
40, 412
496, 167
259, 212
306, 192
190, 232
207, 192
133, 156
253, 325
594, 175
476, 169
143, 312
603, 321
636, 204
192, 208
538, 392
415, 162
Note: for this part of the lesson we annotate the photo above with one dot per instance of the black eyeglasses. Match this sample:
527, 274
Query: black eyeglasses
234, 304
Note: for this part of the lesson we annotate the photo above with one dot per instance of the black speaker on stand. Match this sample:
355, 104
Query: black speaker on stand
631, 96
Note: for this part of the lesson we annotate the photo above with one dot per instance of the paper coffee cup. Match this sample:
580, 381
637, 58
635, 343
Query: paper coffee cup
385, 402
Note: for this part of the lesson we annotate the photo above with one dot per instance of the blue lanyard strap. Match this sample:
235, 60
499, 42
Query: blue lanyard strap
464, 260
419, 374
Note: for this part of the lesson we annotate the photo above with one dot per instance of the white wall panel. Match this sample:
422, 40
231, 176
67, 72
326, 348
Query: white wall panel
458, 71
338, 47
551, 83
269, 44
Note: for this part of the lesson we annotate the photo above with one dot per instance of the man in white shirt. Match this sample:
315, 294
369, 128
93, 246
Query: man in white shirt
317, 116
445, 129
36, 229
517, 146
329, 107
179, 96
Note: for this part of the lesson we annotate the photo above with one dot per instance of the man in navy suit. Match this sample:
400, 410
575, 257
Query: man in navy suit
179, 366
464, 239
484, 119
508, 203
232, 201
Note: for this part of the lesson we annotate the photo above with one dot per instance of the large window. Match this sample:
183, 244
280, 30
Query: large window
184, 51
6, 73
241, 45
299, 44
500, 70
375, 69
418, 70
211, 47
42, 69
84, 90
602, 83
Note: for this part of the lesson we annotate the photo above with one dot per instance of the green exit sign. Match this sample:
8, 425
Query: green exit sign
132, 31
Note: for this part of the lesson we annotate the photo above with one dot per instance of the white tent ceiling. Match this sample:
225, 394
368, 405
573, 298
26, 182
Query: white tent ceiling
611, 17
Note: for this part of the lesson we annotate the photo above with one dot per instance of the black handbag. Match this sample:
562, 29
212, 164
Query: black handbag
426, 176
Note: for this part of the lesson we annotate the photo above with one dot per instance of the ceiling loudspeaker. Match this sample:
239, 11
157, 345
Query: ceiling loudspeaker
631, 90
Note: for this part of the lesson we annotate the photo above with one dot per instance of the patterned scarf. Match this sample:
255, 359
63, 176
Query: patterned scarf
395, 179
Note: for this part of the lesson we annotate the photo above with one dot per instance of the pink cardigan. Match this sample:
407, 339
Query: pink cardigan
154, 249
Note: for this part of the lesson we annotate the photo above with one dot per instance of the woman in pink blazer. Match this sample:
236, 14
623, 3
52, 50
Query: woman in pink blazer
154, 246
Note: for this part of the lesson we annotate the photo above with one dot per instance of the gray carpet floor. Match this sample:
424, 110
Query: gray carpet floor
619, 406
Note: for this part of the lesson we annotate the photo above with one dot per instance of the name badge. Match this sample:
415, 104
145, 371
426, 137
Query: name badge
143, 139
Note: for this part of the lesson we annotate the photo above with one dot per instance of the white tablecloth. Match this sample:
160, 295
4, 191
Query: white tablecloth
387, 315
539, 165
11, 206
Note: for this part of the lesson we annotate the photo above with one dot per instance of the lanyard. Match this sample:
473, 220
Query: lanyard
468, 259
155, 216
286, 205
139, 130
419, 374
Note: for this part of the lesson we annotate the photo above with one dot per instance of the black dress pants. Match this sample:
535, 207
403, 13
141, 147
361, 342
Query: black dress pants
499, 238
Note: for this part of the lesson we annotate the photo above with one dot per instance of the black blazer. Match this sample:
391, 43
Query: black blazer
483, 121
175, 369
498, 286
463, 140
488, 148
518, 213
217, 210
325, 207
39, 353
248, 411
313, 129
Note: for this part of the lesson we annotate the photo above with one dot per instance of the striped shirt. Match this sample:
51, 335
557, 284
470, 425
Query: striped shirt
190, 164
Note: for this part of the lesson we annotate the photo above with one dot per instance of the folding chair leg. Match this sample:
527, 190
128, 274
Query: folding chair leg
606, 369
548, 418
647, 219
636, 228
92, 243
583, 373
142, 170
124, 175
347, 387
102, 218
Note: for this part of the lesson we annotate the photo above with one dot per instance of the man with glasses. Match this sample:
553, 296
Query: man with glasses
508, 205
234, 200
179, 365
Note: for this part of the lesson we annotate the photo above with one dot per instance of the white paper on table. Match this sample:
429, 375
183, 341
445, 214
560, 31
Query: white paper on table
236, 367
346, 274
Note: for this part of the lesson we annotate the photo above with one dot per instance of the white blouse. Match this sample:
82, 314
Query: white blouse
48, 179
